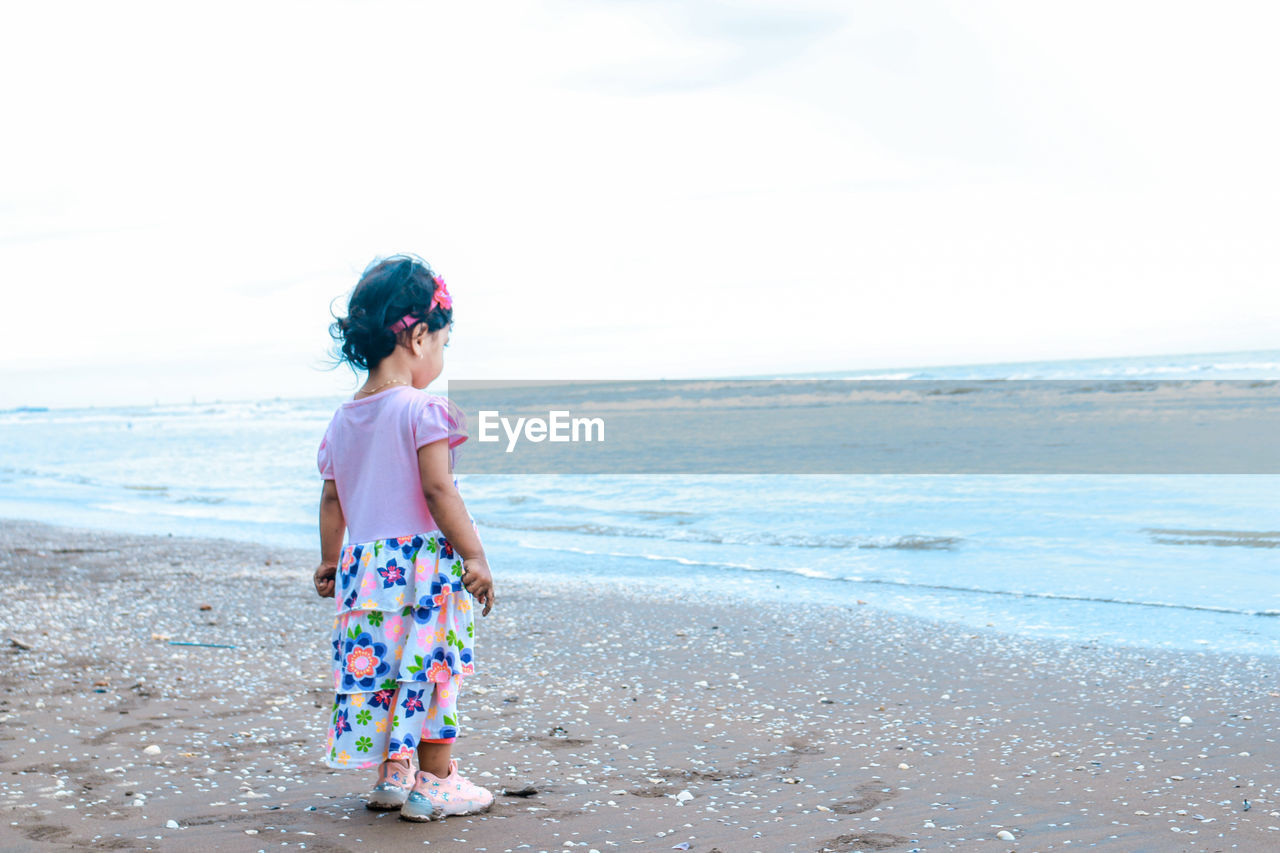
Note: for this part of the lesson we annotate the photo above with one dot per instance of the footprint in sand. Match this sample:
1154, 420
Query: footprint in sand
44, 832
709, 775
862, 841
651, 791
869, 796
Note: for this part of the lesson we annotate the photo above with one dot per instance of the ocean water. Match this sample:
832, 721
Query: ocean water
1168, 561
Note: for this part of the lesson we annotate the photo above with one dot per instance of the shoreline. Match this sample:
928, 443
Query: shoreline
788, 723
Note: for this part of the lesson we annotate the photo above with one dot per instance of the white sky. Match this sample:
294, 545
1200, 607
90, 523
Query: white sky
629, 188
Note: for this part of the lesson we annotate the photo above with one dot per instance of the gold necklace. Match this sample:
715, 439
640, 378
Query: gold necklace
387, 384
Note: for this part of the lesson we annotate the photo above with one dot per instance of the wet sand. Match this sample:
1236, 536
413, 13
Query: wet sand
644, 721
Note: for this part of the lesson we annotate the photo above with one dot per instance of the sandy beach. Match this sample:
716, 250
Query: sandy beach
645, 721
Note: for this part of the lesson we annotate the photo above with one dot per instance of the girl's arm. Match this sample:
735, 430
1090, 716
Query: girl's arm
332, 525
451, 517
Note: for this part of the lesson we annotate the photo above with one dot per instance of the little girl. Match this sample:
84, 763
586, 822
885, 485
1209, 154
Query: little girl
413, 566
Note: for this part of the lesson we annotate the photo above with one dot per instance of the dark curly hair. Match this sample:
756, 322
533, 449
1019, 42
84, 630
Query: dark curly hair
388, 290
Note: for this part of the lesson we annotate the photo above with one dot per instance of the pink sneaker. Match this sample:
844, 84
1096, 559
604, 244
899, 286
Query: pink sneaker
394, 780
452, 795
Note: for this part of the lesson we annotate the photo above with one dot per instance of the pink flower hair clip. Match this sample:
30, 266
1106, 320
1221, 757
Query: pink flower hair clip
441, 297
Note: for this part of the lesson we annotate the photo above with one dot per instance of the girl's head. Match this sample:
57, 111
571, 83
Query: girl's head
399, 310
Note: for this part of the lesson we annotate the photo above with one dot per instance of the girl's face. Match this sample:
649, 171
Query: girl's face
428, 355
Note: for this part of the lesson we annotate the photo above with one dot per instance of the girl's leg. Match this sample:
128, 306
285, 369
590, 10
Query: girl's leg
434, 753
443, 787
438, 782
434, 757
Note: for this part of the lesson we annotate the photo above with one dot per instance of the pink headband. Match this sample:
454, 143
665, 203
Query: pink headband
441, 297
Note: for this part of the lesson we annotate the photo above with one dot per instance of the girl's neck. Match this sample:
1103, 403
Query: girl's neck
380, 380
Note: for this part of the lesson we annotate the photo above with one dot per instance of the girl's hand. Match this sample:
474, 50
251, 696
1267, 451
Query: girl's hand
324, 579
478, 580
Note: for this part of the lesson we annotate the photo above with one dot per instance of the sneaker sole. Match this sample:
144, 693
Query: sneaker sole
480, 810
425, 819
381, 805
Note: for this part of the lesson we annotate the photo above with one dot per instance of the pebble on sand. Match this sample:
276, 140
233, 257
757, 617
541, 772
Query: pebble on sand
529, 791
1005, 835
152, 750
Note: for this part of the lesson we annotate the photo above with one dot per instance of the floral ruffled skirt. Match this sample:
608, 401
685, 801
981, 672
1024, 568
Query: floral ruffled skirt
402, 643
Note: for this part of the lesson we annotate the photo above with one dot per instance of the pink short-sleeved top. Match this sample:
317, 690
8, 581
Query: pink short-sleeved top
370, 451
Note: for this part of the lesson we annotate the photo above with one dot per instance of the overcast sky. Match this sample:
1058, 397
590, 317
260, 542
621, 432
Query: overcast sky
629, 188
